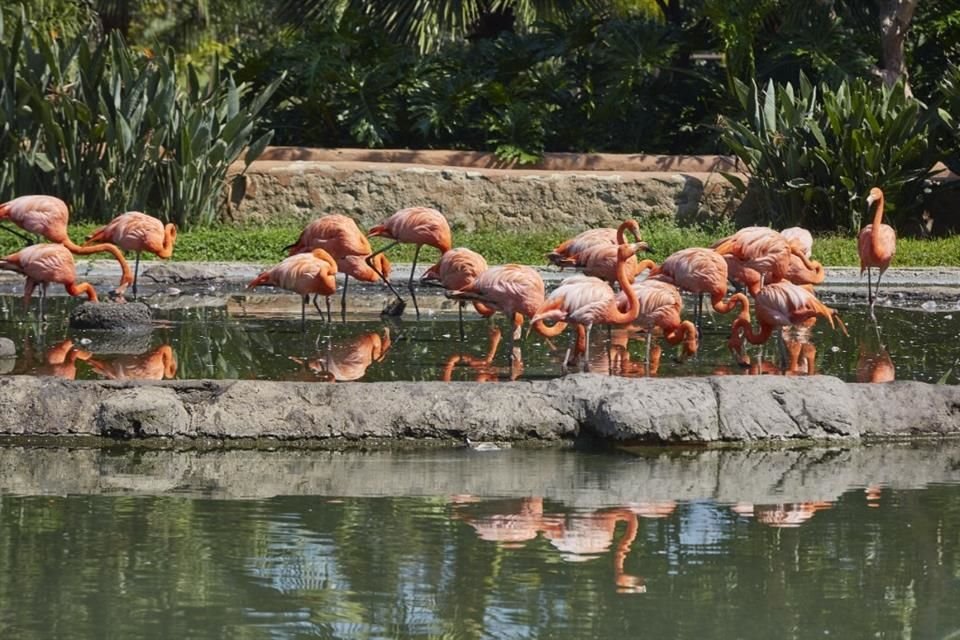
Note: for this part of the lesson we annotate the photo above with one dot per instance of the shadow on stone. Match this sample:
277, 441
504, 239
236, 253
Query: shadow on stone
107, 316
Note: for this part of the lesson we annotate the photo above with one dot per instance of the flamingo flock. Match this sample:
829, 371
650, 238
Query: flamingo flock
774, 268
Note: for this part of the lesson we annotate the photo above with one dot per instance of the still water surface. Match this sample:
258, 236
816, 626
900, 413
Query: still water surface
848, 543
234, 341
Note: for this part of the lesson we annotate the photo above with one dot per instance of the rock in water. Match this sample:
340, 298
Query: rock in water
7, 348
110, 316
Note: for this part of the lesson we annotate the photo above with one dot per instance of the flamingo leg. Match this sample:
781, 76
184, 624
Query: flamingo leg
413, 269
397, 309
303, 313
572, 349
649, 343
317, 305
343, 299
699, 317
28, 239
136, 272
876, 287
869, 289
460, 311
43, 298
586, 350
515, 355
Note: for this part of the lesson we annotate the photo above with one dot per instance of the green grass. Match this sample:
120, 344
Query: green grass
264, 244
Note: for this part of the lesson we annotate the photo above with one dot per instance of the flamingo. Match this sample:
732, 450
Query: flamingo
43, 264
136, 231
701, 271
876, 245
758, 255
660, 305
516, 291
340, 236
156, 364
585, 300
60, 360
599, 259
800, 239
48, 216
604, 236
778, 305
416, 225
305, 274
458, 268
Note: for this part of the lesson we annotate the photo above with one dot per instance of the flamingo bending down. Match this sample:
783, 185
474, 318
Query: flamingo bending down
591, 237
600, 258
135, 231
585, 301
876, 245
778, 305
516, 291
306, 274
48, 216
458, 268
340, 236
701, 271
759, 255
43, 264
800, 239
416, 225
660, 305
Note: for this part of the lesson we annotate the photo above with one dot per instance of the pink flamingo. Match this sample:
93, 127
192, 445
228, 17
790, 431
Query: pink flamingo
599, 259
306, 274
604, 236
778, 305
514, 290
457, 269
48, 216
701, 271
43, 264
135, 231
800, 239
416, 225
758, 255
585, 301
660, 305
876, 245
348, 361
340, 236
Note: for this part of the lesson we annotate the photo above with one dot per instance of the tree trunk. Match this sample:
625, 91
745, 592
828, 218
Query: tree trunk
895, 17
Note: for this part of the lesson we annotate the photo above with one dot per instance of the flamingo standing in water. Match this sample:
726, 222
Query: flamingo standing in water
585, 301
516, 291
306, 274
778, 305
876, 245
701, 271
457, 269
340, 236
416, 225
800, 239
599, 259
759, 255
43, 264
135, 231
660, 305
567, 249
48, 216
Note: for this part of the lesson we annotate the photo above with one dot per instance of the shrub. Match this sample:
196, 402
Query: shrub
814, 153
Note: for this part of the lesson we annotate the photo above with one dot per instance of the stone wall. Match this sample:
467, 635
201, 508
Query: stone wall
566, 191
679, 410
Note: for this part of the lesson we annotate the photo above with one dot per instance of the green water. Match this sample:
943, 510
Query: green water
843, 543
209, 342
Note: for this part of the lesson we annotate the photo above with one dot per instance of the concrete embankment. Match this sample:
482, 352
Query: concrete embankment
680, 410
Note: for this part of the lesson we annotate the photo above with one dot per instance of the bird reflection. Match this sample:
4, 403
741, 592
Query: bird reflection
157, 364
482, 368
616, 359
798, 356
792, 514
578, 537
58, 361
873, 360
347, 360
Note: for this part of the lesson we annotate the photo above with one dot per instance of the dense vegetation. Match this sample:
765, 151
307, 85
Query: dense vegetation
816, 100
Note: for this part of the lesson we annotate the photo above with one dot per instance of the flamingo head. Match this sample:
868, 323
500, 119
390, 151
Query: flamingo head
876, 195
431, 275
629, 225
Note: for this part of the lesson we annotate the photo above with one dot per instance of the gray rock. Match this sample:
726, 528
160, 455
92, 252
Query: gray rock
142, 412
168, 272
118, 342
108, 316
8, 349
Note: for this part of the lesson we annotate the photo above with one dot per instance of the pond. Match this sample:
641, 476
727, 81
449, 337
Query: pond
834, 542
240, 336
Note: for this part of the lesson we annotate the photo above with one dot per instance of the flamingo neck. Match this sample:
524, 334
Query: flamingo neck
875, 241
614, 315
169, 237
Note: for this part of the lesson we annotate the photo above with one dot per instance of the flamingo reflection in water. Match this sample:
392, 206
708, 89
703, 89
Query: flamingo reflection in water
482, 368
798, 358
156, 364
873, 361
348, 360
513, 527
59, 361
786, 515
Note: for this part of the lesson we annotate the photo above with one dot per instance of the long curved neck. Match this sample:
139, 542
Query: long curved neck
623, 547
875, 241
549, 332
726, 306
614, 315
622, 233
753, 338
127, 276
